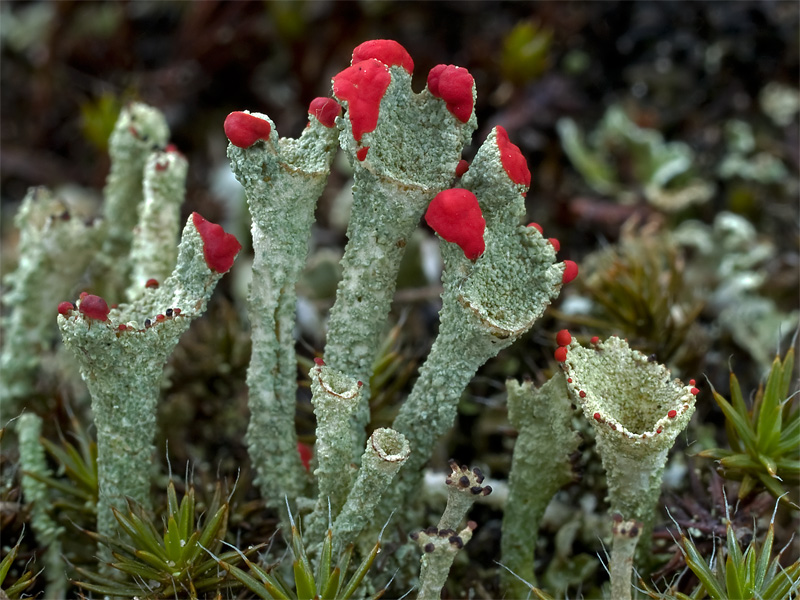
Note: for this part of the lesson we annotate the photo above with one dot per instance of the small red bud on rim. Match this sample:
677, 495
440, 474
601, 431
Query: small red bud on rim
151, 283
560, 354
171, 148
244, 129
597, 417
563, 338
306, 453
65, 307
536, 226
94, 307
658, 430
569, 379
692, 382
359, 383
672, 414
362, 86
219, 248
582, 394
453, 85
361, 153
122, 327
318, 361
570, 271
595, 339
694, 391
554, 243
160, 317
456, 216
389, 52
462, 167
325, 110
176, 311
83, 295
514, 164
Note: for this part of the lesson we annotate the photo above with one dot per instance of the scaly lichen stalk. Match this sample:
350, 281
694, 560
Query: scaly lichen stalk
439, 547
497, 282
404, 148
33, 462
55, 248
139, 130
539, 468
122, 351
335, 398
637, 410
154, 249
282, 178
385, 453
626, 536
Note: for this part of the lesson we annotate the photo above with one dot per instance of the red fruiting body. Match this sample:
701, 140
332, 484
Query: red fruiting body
171, 148
461, 168
176, 311
515, 165
83, 295
161, 166
554, 243
570, 271
453, 85
563, 338
560, 354
219, 248
325, 110
692, 382
122, 327
151, 283
694, 391
388, 52
160, 317
569, 379
595, 340
94, 307
672, 414
456, 216
658, 430
361, 153
65, 307
597, 416
536, 226
244, 129
306, 453
319, 361
362, 86
582, 394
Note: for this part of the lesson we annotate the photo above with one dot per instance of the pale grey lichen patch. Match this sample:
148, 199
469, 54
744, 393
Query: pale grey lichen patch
637, 411
413, 154
154, 249
55, 248
282, 179
123, 371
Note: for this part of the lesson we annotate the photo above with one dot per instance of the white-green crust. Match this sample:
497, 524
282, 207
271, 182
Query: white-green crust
540, 467
282, 179
413, 154
123, 371
55, 248
155, 239
637, 410
439, 547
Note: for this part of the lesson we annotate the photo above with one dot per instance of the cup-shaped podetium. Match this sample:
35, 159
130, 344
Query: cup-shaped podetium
637, 410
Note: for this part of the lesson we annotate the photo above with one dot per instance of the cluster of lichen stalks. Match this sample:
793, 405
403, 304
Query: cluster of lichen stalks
499, 276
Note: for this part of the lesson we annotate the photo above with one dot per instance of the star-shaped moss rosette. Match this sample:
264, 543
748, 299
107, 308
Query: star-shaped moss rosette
121, 352
55, 247
404, 148
637, 410
282, 179
490, 298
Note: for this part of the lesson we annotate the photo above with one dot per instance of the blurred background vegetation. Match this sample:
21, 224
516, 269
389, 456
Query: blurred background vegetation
664, 144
